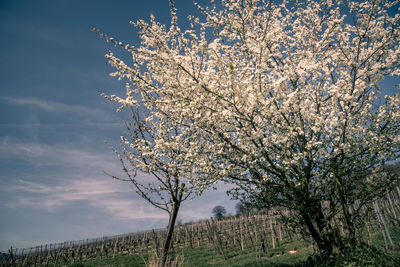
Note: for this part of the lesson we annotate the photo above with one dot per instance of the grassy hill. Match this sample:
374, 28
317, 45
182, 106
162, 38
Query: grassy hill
295, 252
256, 240
259, 239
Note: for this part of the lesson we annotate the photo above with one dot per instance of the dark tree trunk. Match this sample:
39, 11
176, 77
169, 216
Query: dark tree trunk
170, 231
321, 243
346, 212
320, 230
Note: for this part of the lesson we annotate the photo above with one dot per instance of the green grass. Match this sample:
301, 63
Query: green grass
276, 257
204, 253
121, 261
207, 256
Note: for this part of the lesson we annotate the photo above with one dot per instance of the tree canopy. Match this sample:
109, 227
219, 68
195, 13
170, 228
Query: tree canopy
219, 212
281, 98
241, 209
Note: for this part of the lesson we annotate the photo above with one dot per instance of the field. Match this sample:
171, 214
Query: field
259, 239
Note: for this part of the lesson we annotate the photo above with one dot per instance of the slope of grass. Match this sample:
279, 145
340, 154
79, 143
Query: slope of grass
121, 261
275, 257
207, 256
246, 241
280, 257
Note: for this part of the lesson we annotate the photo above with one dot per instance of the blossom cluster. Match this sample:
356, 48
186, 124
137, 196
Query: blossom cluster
276, 94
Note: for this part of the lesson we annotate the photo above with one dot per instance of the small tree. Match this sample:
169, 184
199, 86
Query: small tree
156, 167
219, 212
156, 144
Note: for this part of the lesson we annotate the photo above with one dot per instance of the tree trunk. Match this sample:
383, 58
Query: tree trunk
170, 231
346, 212
322, 233
314, 233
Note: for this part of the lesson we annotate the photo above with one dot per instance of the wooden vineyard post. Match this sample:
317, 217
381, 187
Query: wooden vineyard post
256, 237
383, 225
123, 245
48, 253
189, 234
236, 229
398, 192
118, 245
16, 256
26, 260
280, 231
80, 251
35, 256
272, 233
87, 249
265, 225
385, 210
156, 243
233, 231
248, 230
11, 252
71, 252
198, 236
114, 246
102, 248
128, 245
53, 251
57, 254
62, 251
22, 260
241, 234
391, 204
289, 233
97, 248
215, 238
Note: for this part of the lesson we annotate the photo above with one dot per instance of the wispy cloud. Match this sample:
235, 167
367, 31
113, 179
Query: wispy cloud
67, 175
62, 155
59, 107
115, 199
79, 180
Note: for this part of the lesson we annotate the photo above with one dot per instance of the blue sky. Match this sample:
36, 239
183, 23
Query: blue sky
53, 123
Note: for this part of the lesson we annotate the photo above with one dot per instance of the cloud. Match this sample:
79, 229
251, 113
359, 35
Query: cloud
58, 114
70, 176
66, 195
73, 156
66, 175
58, 107
116, 199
